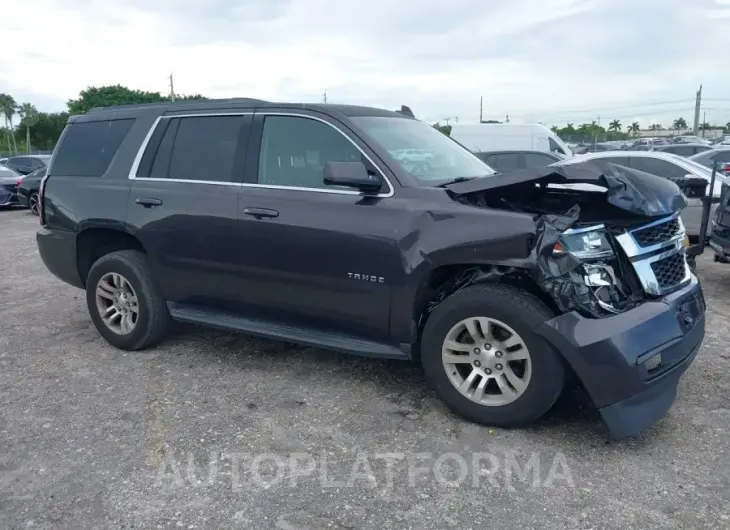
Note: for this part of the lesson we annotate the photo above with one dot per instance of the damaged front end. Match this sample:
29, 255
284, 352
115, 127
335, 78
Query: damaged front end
618, 243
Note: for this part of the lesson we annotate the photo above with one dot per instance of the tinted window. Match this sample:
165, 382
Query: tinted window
680, 150
204, 148
294, 151
87, 148
538, 160
619, 160
658, 167
504, 162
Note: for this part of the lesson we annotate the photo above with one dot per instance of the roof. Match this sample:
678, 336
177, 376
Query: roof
129, 111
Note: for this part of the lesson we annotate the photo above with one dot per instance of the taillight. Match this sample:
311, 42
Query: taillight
725, 168
18, 182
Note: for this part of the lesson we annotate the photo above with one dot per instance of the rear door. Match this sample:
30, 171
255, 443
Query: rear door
184, 203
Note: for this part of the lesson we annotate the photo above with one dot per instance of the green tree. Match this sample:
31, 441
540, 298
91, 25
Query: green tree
634, 128
107, 96
615, 126
8, 107
45, 130
446, 129
679, 123
28, 116
555, 129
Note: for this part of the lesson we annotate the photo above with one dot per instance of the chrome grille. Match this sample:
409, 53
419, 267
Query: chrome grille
651, 235
669, 271
657, 255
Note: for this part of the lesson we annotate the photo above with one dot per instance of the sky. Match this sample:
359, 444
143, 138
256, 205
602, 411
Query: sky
553, 61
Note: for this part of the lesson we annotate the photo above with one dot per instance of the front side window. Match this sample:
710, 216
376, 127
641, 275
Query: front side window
439, 158
533, 160
294, 151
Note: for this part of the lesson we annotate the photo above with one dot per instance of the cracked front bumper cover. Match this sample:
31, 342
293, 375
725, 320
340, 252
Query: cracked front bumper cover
609, 356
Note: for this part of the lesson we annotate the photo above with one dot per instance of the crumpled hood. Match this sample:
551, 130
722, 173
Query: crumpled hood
631, 190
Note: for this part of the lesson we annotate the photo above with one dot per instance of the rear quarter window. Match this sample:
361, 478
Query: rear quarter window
88, 148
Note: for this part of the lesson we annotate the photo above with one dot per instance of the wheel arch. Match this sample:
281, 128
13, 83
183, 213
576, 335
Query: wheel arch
94, 242
443, 281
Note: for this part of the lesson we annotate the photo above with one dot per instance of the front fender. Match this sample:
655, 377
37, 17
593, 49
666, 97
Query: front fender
470, 237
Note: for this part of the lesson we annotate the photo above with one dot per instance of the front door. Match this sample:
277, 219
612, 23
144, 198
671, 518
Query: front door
324, 255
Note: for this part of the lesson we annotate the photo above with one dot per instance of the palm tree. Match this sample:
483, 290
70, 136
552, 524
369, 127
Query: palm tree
679, 123
7, 107
555, 129
615, 126
28, 116
634, 128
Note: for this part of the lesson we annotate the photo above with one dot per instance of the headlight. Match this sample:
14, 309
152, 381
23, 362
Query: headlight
585, 243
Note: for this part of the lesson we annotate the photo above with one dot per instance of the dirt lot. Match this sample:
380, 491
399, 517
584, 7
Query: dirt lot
213, 429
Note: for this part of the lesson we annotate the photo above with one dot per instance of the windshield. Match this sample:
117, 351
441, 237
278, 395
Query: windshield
422, 150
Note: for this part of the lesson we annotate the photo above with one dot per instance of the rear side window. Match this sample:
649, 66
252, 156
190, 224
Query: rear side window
658, 167
201, 148
88, 148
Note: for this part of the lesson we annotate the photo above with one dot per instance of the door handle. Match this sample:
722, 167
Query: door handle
148, 202
259, 213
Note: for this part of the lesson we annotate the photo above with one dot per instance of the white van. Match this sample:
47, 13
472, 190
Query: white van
488, 137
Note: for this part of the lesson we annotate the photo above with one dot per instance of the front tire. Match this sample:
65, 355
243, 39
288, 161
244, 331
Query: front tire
481, 355
125, 302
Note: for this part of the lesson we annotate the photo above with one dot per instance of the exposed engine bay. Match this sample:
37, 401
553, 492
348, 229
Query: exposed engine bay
606, 238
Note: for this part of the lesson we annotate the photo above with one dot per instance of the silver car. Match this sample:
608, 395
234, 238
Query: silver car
665, 165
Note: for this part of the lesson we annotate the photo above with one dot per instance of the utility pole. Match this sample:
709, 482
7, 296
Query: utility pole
704, 120
456, 119
172, 89
481, 101
447, 120
698, 102
325, 96
506, 118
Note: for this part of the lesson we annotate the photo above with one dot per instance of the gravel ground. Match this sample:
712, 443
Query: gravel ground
218, 430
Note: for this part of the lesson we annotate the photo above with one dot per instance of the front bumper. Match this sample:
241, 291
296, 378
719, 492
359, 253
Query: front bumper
8, 197
615, 357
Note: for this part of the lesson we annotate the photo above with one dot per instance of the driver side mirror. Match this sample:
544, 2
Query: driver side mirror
351, 175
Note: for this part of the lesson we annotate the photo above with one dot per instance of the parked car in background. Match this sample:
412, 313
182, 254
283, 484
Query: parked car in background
688, 139
721, 140
721, 155
504, 161
686, 173
683, 149
491, 137
28, 189
25, 164
647, 143
596, 148
9, 181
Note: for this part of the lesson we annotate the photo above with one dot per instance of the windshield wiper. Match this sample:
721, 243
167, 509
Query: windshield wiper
454, 181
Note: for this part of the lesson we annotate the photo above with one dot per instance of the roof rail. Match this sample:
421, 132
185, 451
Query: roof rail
178, 102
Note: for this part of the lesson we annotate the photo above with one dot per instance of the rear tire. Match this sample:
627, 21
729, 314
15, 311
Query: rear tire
124, 301
509, 376
33, 203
